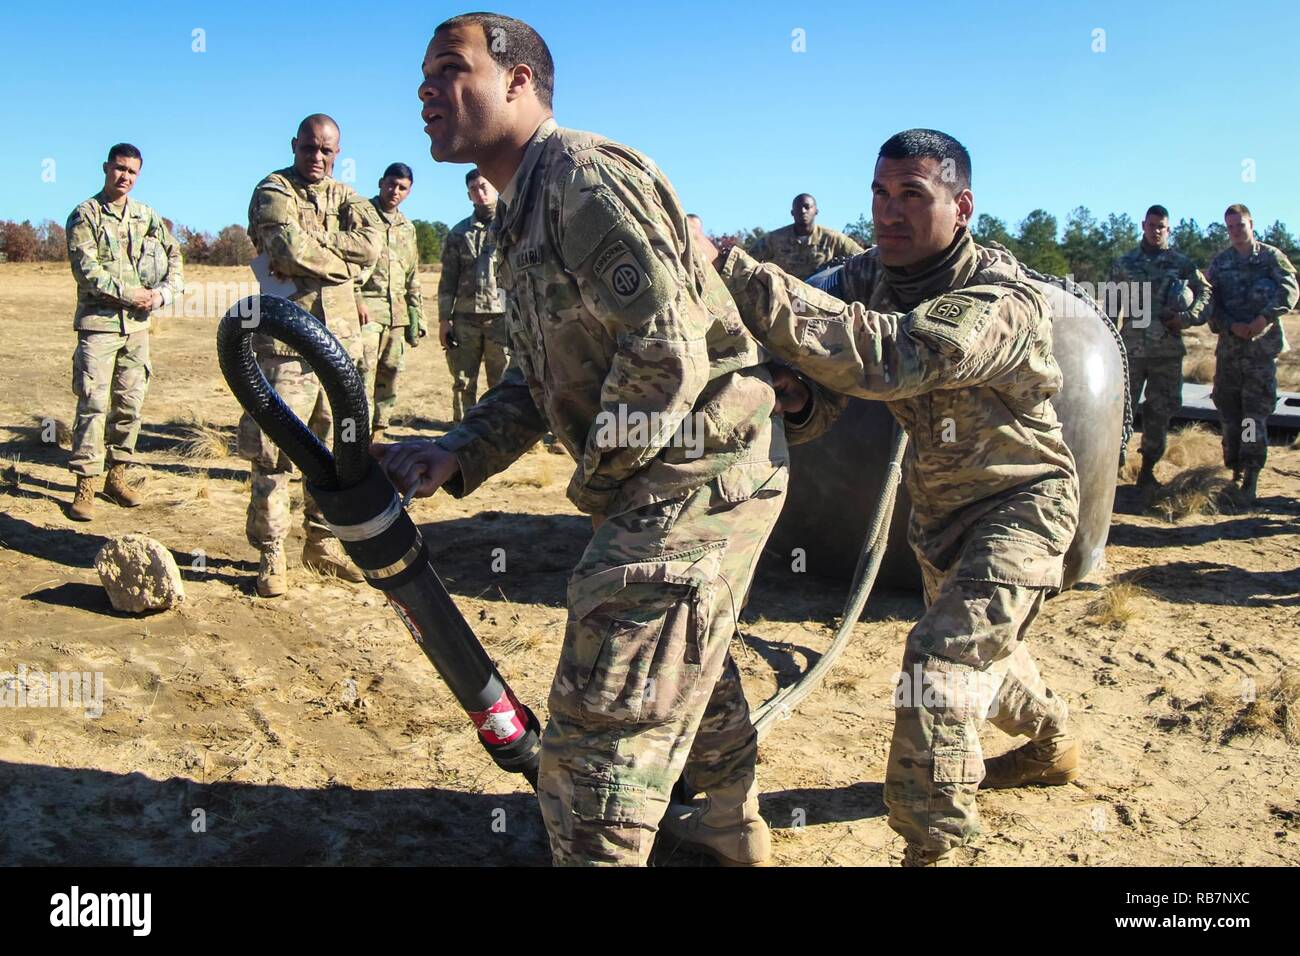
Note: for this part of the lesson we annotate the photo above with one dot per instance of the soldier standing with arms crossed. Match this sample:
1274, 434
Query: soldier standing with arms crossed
958, 343
471, 302
319, 235
392, 304
126, 263
803, 247
1154, 340
1254, 286
613, 313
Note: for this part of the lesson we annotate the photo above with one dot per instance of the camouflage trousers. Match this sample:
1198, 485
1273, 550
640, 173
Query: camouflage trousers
646, 687
1245, 393
383, 349
965, 662
110, 375
481, 339
1163, 378
269, 512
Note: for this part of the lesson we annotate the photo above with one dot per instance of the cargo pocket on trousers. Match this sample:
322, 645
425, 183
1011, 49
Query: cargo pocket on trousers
636, 644
958, 765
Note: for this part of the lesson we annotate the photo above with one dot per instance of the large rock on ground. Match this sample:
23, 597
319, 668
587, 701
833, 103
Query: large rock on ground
139, 574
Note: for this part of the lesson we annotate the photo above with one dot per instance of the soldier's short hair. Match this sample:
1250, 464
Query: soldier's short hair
399, 171
511, 42
124, 149
1160, 212
931, 144
795, 201
1240, 209
472, 175
317, 119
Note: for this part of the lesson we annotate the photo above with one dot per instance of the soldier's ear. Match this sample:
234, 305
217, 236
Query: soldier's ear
520, 80
293, 145
965, 207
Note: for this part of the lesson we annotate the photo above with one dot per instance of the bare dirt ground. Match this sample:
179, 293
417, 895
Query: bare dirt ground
310, 729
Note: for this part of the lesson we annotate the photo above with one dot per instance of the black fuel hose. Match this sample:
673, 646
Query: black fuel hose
363, 510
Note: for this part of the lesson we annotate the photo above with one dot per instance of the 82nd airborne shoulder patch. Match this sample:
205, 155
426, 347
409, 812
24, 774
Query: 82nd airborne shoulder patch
622, 273
953, 319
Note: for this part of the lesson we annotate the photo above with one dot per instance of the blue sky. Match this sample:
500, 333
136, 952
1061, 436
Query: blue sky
1182, 95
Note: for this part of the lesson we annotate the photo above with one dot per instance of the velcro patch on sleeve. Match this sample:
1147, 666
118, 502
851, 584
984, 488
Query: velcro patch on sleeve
951, 318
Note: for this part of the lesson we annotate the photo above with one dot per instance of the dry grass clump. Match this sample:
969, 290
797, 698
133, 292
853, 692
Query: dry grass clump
1274, 711
1192, 446
44, 428
1118, 605
203, 442
1203, 490
11, 475
1198, 366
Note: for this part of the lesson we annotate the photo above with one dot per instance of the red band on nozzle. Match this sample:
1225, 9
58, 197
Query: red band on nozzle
503, 722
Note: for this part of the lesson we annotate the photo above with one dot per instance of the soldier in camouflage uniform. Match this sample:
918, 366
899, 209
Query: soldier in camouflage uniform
959, 345
803, 247
126, 264
319, 235
1153, 334
1254, 286
614, 316
471, 302
391, 298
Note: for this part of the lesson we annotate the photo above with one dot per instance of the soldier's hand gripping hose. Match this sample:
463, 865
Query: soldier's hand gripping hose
362, 508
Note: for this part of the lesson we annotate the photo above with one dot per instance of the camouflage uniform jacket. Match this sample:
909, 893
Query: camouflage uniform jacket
802, 256
962, 355
469, 284
323, 237
613, 311
114, 250
1147, 336
1263, 283
392, 293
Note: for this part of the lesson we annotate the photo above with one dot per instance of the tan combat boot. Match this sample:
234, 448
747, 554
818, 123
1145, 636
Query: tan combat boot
725, 824
1048, 763
325, 555
916, 856
272, 578
118, 490
377, 433
83, 502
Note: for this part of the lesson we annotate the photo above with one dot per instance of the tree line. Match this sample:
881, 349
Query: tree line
47, 242
1084, 248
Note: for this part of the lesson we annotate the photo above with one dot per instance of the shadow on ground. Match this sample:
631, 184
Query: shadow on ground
72, 816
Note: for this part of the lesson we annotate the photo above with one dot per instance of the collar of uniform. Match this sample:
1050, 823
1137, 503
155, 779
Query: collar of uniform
113, 210
1149, 250
951, 269
812, 234
513, 196
393, 218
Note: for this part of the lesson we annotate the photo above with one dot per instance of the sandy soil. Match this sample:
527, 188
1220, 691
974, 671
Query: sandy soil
310, 729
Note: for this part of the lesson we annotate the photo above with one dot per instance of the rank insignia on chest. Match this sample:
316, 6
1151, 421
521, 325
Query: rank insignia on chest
621, 273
